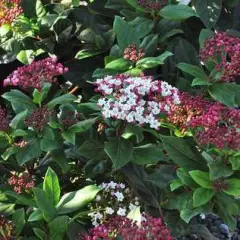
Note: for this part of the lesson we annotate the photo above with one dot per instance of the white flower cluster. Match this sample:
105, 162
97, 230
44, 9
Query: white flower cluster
114, 198
137, 100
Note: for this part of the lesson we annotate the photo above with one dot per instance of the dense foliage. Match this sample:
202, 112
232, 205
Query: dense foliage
119, 119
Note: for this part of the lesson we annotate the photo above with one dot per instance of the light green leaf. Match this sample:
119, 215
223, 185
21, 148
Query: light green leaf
233, 188
51, 186
151, 62
201, 178
201, 196
73, 201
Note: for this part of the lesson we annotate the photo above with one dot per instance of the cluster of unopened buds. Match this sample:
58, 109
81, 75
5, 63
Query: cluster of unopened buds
114, 199
138, 100
9, 11
212, 122
39, 118
4, 121
132, 54
35, 74
69, 119
224, 51
124, 228
7, 229
154, 5
21, 182
218, 125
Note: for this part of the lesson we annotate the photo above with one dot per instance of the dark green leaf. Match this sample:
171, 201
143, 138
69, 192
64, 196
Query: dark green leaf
18, 219
209, 11
125, 33
148, 154
177, 12
45, 204
58, 227
183, 153
120, 151
19, 101
226, 93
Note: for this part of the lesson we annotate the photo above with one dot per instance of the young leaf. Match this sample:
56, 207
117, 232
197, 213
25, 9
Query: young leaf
36, 216
201, 178
40, 95
201, 196
200, 82
120, 151
73, 201
120, 64
151, 62
178, 12
233, 187
51, 186
175, 184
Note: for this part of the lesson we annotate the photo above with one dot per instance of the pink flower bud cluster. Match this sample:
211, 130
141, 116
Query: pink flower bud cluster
39, 118
218, 125
21, 182
35, 74
150, 229
7, 229
154, 5
224, 50
4, 121
132, 54
9, 11
138, 100
114, 199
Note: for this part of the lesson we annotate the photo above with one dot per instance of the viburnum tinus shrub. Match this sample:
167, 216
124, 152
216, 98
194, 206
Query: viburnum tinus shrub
173, 142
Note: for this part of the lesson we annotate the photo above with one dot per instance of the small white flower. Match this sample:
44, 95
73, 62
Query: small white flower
121, 212
98, 215
98, 198
112, 185
155, 111
119, 196
122, 185
101, 101
109, 211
